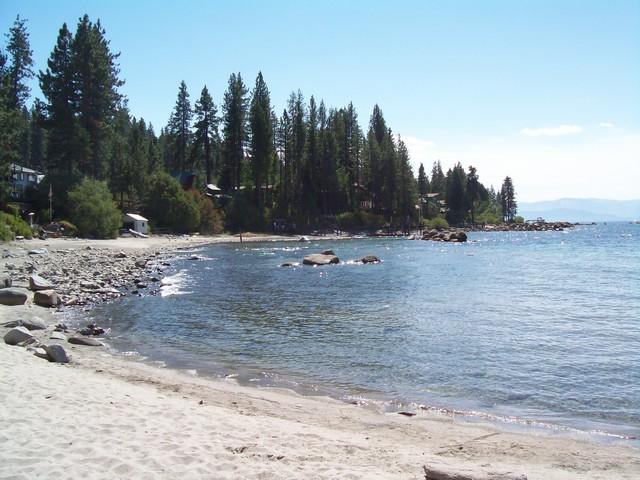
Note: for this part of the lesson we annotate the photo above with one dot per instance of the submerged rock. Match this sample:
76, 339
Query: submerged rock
320, 259
370, 259
13, 296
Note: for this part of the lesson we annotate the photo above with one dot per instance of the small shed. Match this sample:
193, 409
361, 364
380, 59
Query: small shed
136, 222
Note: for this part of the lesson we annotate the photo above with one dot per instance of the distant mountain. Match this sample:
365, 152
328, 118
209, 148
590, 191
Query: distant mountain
581, 210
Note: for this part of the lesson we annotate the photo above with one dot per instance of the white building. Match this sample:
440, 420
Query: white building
136, 222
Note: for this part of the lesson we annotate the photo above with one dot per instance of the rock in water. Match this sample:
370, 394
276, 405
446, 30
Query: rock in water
320, 259
17, 335
327, 252
370, 259
36, 282
5, 281
13, 296
56, 353
46, 298
87, 341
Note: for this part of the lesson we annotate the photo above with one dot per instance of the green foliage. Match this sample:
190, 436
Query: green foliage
518, 219
93, 210
169, 206
211, 221
356, 221
241, 214
70, 230
15, 225
6, 235
438, 223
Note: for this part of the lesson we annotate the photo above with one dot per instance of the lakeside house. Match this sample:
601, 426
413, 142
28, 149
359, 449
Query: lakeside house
137, 223
21, 180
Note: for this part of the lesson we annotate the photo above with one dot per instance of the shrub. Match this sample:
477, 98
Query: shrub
518, 219
438, 223
210, 217
241, 214
359, 221
15, 225
93, 210
168, 205
6, 235
69, 229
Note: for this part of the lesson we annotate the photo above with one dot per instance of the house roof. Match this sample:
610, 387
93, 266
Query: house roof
19, 168
135, 216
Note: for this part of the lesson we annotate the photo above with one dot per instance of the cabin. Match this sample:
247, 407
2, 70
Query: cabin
137, 223
21, 180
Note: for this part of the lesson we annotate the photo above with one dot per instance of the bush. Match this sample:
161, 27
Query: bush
168, 205
438, 223
350, 221
241, 214
93, 210
15, 225
69, 229
6, 235
518, 219
210, 217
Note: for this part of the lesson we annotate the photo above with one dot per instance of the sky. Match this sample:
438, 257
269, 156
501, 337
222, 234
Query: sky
547, 92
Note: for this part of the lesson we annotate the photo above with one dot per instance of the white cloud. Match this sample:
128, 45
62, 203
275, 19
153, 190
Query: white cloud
420, 151
604, 166
607, 125
551, 131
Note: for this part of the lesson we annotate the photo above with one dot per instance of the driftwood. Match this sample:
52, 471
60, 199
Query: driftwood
440, 474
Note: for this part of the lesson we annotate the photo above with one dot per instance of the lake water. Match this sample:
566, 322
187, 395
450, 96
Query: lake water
520, 328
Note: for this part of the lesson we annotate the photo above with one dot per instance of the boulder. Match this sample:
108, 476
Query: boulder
320, 259
13, 296
46, 298
58, 336
39, 352
141, 263
5, 281
34, 323
56, 353
36, 282
87, 341
121, 255
38, 251
327, 252
370, 259
289, 264
17, 335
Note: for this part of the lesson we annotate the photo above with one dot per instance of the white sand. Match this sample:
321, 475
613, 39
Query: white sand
108, 417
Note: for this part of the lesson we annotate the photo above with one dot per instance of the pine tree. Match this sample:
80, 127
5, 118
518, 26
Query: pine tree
234, 122
261, 145
206, 134
456, 195
423, 181
179, 131
473, 191
19, 70
96, 99
406, 184
438, 180
508, 198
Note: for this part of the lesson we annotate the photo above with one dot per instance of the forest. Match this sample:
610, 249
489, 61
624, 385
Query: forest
232, 165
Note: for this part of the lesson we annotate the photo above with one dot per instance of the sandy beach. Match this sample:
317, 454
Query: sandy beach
105, 416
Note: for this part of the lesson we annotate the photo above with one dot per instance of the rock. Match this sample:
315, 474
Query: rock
121, 255
141, 285
17, 335
39, 352
36, 282
290, 264
320, 259
38, 251
91, 329
448, 473
5, 281
141, 263
327, 252
195, 257
370, 259
34, 323
46, 298
303, 239
13, 296
58, 336
56, 353
87, 341
10, 266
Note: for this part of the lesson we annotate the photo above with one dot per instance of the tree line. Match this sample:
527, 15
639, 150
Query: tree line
308, 166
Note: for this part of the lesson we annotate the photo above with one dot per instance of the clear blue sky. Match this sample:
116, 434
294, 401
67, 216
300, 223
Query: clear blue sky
533, 89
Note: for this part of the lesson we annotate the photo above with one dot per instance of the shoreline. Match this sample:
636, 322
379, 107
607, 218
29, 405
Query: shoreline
417, 440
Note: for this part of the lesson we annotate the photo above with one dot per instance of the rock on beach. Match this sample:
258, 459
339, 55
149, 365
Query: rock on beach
46, 298
13, 296
86, 341
17, 335
56, 353
36, 282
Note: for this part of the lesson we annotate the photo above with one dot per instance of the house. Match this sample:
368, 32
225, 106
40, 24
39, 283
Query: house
21, 180
137, 223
